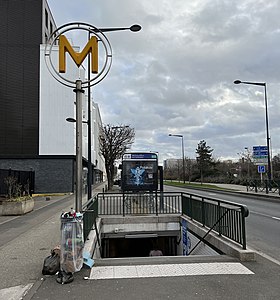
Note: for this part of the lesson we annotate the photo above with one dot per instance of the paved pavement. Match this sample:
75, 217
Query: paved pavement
194, 277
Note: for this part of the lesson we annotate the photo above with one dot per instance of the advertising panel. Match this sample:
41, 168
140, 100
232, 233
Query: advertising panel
139, 172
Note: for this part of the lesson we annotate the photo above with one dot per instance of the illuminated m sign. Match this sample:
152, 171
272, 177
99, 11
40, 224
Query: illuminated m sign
78, 57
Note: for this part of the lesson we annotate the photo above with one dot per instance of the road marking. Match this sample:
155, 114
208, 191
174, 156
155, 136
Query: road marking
9, 219
264, 215
168, 270
15, 292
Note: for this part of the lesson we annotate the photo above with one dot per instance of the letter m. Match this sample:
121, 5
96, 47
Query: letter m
78, 57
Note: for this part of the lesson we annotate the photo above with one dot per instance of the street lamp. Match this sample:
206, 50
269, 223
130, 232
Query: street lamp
133, 28
266, 118
248, 162
181, 136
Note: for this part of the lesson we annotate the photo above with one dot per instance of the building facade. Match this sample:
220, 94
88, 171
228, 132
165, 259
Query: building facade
34, 134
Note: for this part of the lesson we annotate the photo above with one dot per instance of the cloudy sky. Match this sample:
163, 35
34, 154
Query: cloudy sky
176, 75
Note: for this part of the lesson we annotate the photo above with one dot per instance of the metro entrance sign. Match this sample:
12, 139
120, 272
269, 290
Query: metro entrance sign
260, 155
58, 37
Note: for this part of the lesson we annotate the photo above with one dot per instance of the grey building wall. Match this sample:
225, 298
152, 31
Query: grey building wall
52, 175
20, 37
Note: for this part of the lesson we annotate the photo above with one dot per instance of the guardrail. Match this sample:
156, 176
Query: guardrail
226, 218
90, 213
139, 203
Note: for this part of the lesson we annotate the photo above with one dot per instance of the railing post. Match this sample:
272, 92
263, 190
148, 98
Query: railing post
244, 214
156, 205
266, 186
123, 204
203, 212
191, 207
256, 186
219, 216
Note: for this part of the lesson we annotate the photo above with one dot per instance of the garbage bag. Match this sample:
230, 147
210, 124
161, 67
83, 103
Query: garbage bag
51, 264
64, 277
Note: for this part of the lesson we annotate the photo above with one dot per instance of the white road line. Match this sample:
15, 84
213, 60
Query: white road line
168, 270
264, 215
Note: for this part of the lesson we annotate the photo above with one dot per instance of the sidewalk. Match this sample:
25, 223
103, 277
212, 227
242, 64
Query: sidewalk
194, 277
243, 189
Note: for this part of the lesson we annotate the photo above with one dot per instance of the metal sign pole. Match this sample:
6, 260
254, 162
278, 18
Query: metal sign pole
79, 136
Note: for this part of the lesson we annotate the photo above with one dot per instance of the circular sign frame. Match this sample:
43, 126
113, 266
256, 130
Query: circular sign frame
100, 38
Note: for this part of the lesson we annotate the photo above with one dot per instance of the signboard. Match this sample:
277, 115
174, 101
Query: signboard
140, 172
260, 154
97, 49
261, 169
186, 245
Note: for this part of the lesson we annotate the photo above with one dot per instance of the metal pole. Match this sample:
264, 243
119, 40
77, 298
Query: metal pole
89, 177
183, 159
267, 137
79, 136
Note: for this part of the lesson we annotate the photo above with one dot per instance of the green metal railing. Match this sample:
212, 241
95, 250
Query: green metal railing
139, 203
90, 213
226, 218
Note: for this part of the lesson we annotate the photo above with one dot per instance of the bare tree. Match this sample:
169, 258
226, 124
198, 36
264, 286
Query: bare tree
114, 142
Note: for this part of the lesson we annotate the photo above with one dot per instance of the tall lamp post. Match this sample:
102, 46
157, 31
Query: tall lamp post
183, 155
266, 120
133, 28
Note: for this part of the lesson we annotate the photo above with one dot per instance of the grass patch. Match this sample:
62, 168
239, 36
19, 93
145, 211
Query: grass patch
194, 185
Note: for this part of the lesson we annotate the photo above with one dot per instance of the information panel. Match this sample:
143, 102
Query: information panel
140, 172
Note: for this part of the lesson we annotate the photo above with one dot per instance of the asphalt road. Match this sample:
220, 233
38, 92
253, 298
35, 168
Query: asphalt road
262, 224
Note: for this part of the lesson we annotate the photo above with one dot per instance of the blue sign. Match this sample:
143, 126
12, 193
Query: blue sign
139, 156
261, 169
185, 237
259, 148
260, 152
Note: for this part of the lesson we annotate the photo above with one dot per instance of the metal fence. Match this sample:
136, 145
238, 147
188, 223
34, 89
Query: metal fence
139, 203
264, 186
90, 213
226, 218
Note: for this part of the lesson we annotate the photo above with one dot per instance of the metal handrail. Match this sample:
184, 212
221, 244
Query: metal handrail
90, 213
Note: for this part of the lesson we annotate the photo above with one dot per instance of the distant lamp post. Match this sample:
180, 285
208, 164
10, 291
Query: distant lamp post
183, 155
248, 162
266, 119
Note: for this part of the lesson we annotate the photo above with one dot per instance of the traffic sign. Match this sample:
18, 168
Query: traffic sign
260, 155
261, 169
260, 151
259, 148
